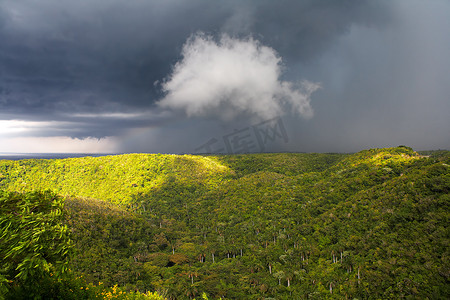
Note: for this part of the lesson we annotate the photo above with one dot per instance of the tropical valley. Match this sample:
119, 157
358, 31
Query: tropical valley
368, 225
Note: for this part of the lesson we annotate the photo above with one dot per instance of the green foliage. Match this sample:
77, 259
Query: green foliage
110, 242
34, 244
369, 225
120, 179
35, 249
283, 163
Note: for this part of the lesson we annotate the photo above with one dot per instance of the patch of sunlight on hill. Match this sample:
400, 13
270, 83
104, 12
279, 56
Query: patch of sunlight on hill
118, 179
382, 159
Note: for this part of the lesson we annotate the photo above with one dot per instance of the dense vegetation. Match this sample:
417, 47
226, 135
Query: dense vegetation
35, 250
293, 226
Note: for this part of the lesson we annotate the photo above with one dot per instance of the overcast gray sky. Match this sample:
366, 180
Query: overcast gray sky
232, 76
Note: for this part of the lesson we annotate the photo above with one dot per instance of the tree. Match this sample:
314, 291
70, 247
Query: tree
35, 245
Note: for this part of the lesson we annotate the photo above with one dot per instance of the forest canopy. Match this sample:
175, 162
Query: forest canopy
370, 225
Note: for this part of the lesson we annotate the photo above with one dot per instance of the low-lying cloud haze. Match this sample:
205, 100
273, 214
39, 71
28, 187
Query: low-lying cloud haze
173, 76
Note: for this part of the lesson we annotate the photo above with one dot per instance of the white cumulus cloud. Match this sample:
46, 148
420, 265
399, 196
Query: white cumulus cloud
230, 77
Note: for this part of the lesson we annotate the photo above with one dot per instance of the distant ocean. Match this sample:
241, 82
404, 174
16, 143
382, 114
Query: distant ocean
19, 156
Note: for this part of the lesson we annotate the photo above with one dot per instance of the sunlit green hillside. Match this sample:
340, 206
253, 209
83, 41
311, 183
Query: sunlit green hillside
118, 179
369, 225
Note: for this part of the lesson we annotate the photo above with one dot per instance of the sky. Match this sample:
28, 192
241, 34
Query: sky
200, 76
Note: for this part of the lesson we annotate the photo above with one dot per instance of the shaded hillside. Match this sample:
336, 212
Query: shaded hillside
283, 163
292, 226
36, 249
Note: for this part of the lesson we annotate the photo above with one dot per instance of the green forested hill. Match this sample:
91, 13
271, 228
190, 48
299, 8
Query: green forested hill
370, 225
118, 179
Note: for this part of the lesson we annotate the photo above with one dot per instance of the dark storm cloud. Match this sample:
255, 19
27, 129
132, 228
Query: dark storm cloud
302, 30
106, 55
92, 55
62, 59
